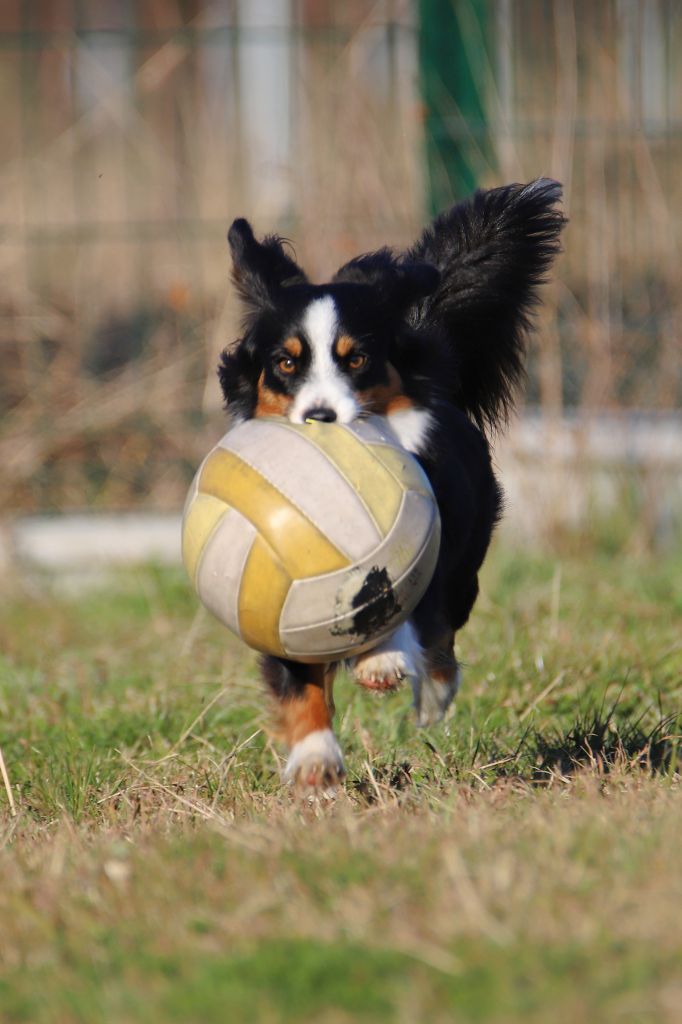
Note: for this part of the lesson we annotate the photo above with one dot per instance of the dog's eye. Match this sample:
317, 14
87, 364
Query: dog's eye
287, 364
357, 361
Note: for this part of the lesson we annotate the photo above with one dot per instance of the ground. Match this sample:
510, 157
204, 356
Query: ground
518, 863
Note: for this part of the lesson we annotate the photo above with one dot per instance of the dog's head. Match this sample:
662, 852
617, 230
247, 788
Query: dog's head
326, 352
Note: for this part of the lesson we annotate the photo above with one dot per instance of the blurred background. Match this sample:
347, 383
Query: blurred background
134, 131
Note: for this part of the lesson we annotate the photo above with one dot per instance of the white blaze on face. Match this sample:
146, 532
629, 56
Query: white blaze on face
324, 385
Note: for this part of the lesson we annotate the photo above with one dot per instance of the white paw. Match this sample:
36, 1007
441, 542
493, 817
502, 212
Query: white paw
315, 763
433, 697
388, 665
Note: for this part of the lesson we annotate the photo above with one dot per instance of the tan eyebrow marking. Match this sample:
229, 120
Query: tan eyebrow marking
293, 347
344, 346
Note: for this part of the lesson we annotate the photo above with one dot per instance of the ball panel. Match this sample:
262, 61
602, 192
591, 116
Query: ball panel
301, 547
201, 516
191, 494
328, 615
263, 591
309, 477
404, 467
376, 489
373, 430
221, 566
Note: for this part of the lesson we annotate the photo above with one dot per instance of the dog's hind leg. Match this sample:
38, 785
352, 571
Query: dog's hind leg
435, 689
305, 710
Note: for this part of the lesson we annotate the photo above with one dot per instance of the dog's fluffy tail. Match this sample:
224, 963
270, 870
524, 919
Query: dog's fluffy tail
493, 252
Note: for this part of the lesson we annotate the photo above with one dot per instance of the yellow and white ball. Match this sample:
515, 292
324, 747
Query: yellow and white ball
312, 541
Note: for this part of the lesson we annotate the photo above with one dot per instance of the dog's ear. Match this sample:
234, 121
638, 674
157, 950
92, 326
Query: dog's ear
238, 371
399, 283
260, 269
493, 252
414, 281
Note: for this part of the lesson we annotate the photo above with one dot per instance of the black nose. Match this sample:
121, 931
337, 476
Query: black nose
321, 413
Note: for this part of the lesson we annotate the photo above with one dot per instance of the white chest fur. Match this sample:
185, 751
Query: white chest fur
411, 427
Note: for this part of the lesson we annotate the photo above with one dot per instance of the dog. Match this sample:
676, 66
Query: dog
434, 340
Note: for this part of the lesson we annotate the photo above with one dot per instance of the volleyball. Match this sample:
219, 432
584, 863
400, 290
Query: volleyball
310, 541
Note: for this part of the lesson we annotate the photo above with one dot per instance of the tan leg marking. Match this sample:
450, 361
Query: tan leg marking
315, 763
437, 688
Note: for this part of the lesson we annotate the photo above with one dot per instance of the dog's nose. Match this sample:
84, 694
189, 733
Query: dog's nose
322, 413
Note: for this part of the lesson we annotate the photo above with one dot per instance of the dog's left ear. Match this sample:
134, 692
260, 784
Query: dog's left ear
400, 283
260, 269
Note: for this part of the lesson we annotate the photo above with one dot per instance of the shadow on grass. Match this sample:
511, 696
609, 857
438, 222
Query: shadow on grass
600, 741
604, 741
394, 778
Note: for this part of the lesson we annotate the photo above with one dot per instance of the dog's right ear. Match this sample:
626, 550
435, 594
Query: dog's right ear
260, 269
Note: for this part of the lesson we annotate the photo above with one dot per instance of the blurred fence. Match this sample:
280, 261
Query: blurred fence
133, 132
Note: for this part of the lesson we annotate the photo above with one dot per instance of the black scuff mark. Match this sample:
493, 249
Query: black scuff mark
376, 604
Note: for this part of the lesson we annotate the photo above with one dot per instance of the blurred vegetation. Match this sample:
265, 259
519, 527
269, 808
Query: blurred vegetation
132, 134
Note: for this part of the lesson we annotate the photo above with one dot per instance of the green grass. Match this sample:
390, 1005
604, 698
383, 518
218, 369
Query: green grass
518, 863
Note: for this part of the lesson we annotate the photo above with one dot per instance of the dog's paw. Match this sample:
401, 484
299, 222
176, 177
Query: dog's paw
315, 764
433, 697
388, 665
383, 670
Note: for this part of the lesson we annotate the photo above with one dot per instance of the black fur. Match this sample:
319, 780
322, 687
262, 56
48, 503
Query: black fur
260, 269
492, 252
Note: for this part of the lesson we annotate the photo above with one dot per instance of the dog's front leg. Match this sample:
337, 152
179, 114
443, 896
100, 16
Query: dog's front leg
433, 672
305, 710
391, 662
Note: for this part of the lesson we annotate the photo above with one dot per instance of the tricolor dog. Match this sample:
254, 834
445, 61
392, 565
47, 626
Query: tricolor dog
433, 339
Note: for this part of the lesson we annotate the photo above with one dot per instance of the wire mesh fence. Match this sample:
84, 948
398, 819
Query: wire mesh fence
134, 132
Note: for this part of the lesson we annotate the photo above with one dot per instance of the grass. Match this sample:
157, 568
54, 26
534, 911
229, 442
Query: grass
520, 862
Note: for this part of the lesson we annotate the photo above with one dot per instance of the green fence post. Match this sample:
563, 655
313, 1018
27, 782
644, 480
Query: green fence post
454, 60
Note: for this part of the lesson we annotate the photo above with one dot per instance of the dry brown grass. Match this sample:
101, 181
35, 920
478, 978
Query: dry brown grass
570, 895
520, 863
